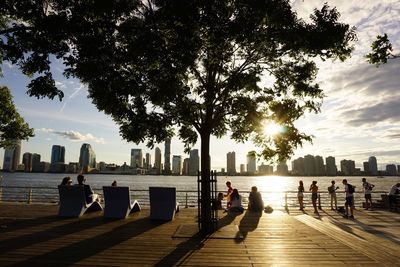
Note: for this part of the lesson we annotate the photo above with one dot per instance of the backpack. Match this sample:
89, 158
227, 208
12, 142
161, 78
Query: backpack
331, 189
370, 186
350, 188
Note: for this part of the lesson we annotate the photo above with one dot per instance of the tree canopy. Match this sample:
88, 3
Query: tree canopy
381, 51
12, 125
194, 67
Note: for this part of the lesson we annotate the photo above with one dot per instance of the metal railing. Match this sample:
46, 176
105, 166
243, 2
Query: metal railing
186, 198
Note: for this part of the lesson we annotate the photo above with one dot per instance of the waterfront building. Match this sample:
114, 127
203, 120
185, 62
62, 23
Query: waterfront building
298, 166
57, 154
348, 167
136, 158
73, 167
222, 170
231, 163
331, 169
157, 160
12, 157
391, 169
319, 165
35, 162
87, 158
373, 165
251, 162
167, 157
242, 168
282, 169
148, 161
194, 162
185, 167
366, 168
176, 165
27, 161
265, 169
43, 167
309, 165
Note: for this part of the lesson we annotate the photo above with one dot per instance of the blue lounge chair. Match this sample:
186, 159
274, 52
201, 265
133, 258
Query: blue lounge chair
118, 202
73, 201
163, 204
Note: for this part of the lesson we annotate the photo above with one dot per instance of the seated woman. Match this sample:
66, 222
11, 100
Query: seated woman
66, 181
236, 201
255, 200
217, 204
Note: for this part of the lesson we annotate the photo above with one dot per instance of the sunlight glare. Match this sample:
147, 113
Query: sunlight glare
273, 128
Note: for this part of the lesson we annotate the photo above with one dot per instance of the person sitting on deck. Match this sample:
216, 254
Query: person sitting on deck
89, 193
217, 204
255, 200
394, 191
66, 181
236, 201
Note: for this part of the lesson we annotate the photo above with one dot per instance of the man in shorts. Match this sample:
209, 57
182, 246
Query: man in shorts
367, 187
349, 200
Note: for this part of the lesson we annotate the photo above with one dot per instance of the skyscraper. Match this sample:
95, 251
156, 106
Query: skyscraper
366, 168
298, 166
136, 158
35, 162
373, 165
57, 154
87, 158
148, 161
185, 167
282, 168
348, 167
319, 165
251, 162
27, 161
12, 157
194, 162
309, 165
167, 157
231, 163
157, 160
176, 165
331, 169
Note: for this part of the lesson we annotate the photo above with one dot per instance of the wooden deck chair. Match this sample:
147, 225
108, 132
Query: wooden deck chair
163, 204
118, 202
73, 202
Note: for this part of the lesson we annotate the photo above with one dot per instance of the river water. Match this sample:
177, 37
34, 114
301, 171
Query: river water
272, 187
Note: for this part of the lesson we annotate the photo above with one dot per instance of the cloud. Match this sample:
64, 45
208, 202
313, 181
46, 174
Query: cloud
74, 136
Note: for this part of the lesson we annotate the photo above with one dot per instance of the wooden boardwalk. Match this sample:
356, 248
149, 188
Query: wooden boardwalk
31, 235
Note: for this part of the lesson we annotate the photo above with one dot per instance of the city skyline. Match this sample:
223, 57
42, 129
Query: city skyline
359, 116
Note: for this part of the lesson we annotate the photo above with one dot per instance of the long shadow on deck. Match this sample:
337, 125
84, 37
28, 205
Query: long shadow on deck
249, 223
86, 248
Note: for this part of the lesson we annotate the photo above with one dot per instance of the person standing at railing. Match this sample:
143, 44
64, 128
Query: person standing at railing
300, 194
367, 187
332, 192
314, 196
349, 189
228, 195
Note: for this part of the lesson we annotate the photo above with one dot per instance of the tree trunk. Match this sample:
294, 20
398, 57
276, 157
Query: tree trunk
206, 211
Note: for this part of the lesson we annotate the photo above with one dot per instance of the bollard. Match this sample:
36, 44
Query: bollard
30, 196
319, 202
286, 205
186, 204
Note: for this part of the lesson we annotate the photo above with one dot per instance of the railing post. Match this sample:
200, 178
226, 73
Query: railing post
30, 196
286, 204
186, 204
319, 201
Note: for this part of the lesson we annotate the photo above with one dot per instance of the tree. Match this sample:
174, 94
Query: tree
194, 68
381, 51
12, 125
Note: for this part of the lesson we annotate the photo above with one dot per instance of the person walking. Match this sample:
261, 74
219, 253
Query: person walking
314, 196
367, 187
300, 195
332, 192
349, 189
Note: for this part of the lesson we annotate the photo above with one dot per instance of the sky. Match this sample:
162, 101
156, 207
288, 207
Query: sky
360, 115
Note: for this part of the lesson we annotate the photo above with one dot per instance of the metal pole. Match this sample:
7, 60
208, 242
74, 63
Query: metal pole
319, 202
286, 204
186, 205
30, 196
1, 188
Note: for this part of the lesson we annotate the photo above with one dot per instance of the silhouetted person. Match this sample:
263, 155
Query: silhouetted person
90, 195
349, 189
114, 183
314, 196
66, 181
367, 187
236, 200
300, 195
228, 195
394, 191
217, 204
332, 192
255, 200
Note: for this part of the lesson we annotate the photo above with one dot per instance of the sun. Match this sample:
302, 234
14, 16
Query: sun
273, 128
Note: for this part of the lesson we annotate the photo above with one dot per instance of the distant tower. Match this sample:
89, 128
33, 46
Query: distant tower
87, 158
251, 162
194, 162
148, 161
157, 160
136, 158
176, 165
347, 167
373, 165
12, 157
282, 168
27, 161
298, 166
35, 162
57, 154
167, 157
185, 167
331, 169
319, 165
231, 163
242, 168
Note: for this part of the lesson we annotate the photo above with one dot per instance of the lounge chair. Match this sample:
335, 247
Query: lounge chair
73, 202
163, 205
118, 202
